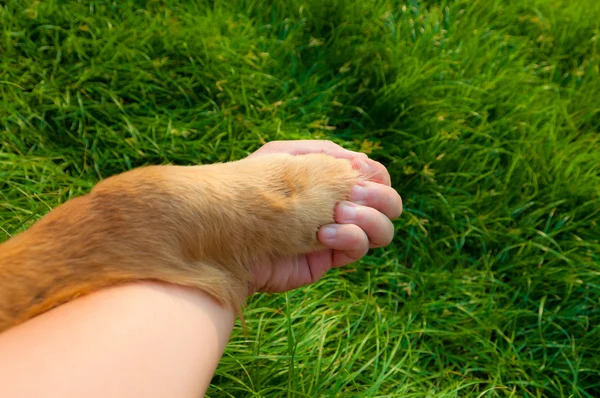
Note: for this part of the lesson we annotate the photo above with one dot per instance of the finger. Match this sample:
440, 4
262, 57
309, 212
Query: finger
319, 263
375, 224
372, 170
349, 243
303, 147
378, 196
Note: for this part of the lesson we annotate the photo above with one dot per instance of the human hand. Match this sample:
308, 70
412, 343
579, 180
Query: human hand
363, 222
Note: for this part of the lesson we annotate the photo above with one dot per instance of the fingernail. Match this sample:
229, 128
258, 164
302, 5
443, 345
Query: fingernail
349, 212
358, 193
363, 166
328, 233
360, 165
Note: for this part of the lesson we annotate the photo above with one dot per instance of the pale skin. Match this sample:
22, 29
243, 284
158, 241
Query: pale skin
151, 339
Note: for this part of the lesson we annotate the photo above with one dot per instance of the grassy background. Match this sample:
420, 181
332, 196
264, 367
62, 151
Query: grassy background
486, 112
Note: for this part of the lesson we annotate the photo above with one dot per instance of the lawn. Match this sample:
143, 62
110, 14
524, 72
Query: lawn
486, 112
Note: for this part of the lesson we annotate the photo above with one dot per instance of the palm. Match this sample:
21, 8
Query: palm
292, 272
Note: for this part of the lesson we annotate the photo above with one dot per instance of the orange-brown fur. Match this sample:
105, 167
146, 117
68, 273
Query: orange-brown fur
199, 226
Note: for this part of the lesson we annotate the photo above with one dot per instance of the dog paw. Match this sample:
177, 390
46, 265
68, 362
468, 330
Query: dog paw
302, 192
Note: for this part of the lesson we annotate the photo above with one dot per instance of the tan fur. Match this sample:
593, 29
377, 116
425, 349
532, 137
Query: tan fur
199, 226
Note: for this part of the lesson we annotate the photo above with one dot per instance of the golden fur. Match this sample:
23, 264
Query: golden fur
200, 226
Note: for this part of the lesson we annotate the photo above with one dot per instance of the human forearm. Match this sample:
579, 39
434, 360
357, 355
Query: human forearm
137, 340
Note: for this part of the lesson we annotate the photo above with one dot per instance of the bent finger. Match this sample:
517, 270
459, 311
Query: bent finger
373, 223
372, 170
349, 243
378, 196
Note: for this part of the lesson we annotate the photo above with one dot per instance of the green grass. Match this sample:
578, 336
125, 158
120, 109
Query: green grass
486, 112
